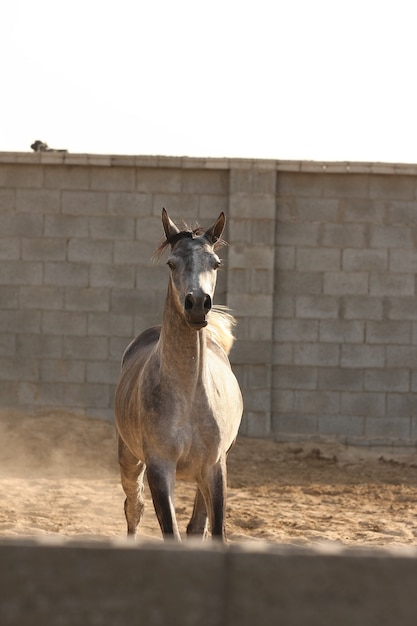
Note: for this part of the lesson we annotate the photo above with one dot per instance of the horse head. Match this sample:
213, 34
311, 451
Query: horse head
193, 263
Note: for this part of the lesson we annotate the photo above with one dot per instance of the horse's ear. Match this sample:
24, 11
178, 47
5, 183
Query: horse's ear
169, 227
214, 233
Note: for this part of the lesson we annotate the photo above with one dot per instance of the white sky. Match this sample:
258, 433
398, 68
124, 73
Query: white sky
281, 79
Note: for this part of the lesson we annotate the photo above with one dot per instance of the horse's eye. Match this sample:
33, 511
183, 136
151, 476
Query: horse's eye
171, 265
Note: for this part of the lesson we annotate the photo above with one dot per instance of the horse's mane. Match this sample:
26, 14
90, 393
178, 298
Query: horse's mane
186, 232
220, 324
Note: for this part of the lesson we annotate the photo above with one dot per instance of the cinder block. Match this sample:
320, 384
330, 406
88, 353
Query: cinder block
317, 307
21, 176
9, 296
401, 404
403, 261
341, 426
20, 273
112, 178
19, 368
21, 225
103, 371
66, 226
296, 377
17, 321
40, 297
255, 256
299, 184
38, 200
39, 345
401, 212
9, 249
112, 227
401, 356
391, 237
343, 235
9, 393
110, 325
342, 379
285, 258
45, 249
208, 181
257, 424
87, 299
63, 274
7, 200
387, 379
290, 425
85, 348
342, 331
76, 203
363, 210
317, 210
7, 344
164, 179
323, 355
62, 370
343, 283
90, 251
297, 234
316, 402
126, 203
317, 259
86, 395
391, 284
345, 186
296, 330
402, 308
246, 205
64, 323
41, 394
388, 428
253, 305
363, 307
362, 356
393, 332
106, 275
65, 177
391, 187
363, 404
365, 260
299, 283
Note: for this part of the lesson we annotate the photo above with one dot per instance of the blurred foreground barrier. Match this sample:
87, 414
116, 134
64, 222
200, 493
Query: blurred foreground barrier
60, 583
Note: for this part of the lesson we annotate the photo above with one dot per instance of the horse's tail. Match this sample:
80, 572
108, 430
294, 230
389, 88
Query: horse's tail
220, 324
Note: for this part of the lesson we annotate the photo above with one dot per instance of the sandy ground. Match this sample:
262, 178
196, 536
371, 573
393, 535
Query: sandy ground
59, 475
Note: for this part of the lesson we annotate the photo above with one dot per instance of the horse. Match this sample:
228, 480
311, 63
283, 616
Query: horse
178, 405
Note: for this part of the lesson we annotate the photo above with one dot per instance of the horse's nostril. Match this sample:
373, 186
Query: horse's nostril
189, 302
207, 303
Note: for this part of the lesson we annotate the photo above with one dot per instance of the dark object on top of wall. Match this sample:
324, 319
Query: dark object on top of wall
40, 146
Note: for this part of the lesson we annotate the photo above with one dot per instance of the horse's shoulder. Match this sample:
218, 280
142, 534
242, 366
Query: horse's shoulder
142, 342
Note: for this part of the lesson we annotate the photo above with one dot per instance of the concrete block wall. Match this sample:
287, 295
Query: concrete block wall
344, 360
320, 274
112, 584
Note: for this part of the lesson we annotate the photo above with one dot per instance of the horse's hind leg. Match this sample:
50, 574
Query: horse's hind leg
214, 492
198, 521
131, 472
161, 480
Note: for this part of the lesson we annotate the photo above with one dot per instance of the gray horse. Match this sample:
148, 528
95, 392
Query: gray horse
178, 404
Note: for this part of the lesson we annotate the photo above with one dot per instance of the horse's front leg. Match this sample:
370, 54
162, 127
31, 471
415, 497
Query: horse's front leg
198, 521
161, 480
131, 473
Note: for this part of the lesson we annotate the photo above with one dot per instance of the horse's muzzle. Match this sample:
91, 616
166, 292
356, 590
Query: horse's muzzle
196, 307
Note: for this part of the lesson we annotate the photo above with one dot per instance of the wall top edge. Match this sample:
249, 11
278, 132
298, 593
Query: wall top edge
182, 162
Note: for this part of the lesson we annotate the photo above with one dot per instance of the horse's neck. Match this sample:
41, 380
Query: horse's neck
182, 350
